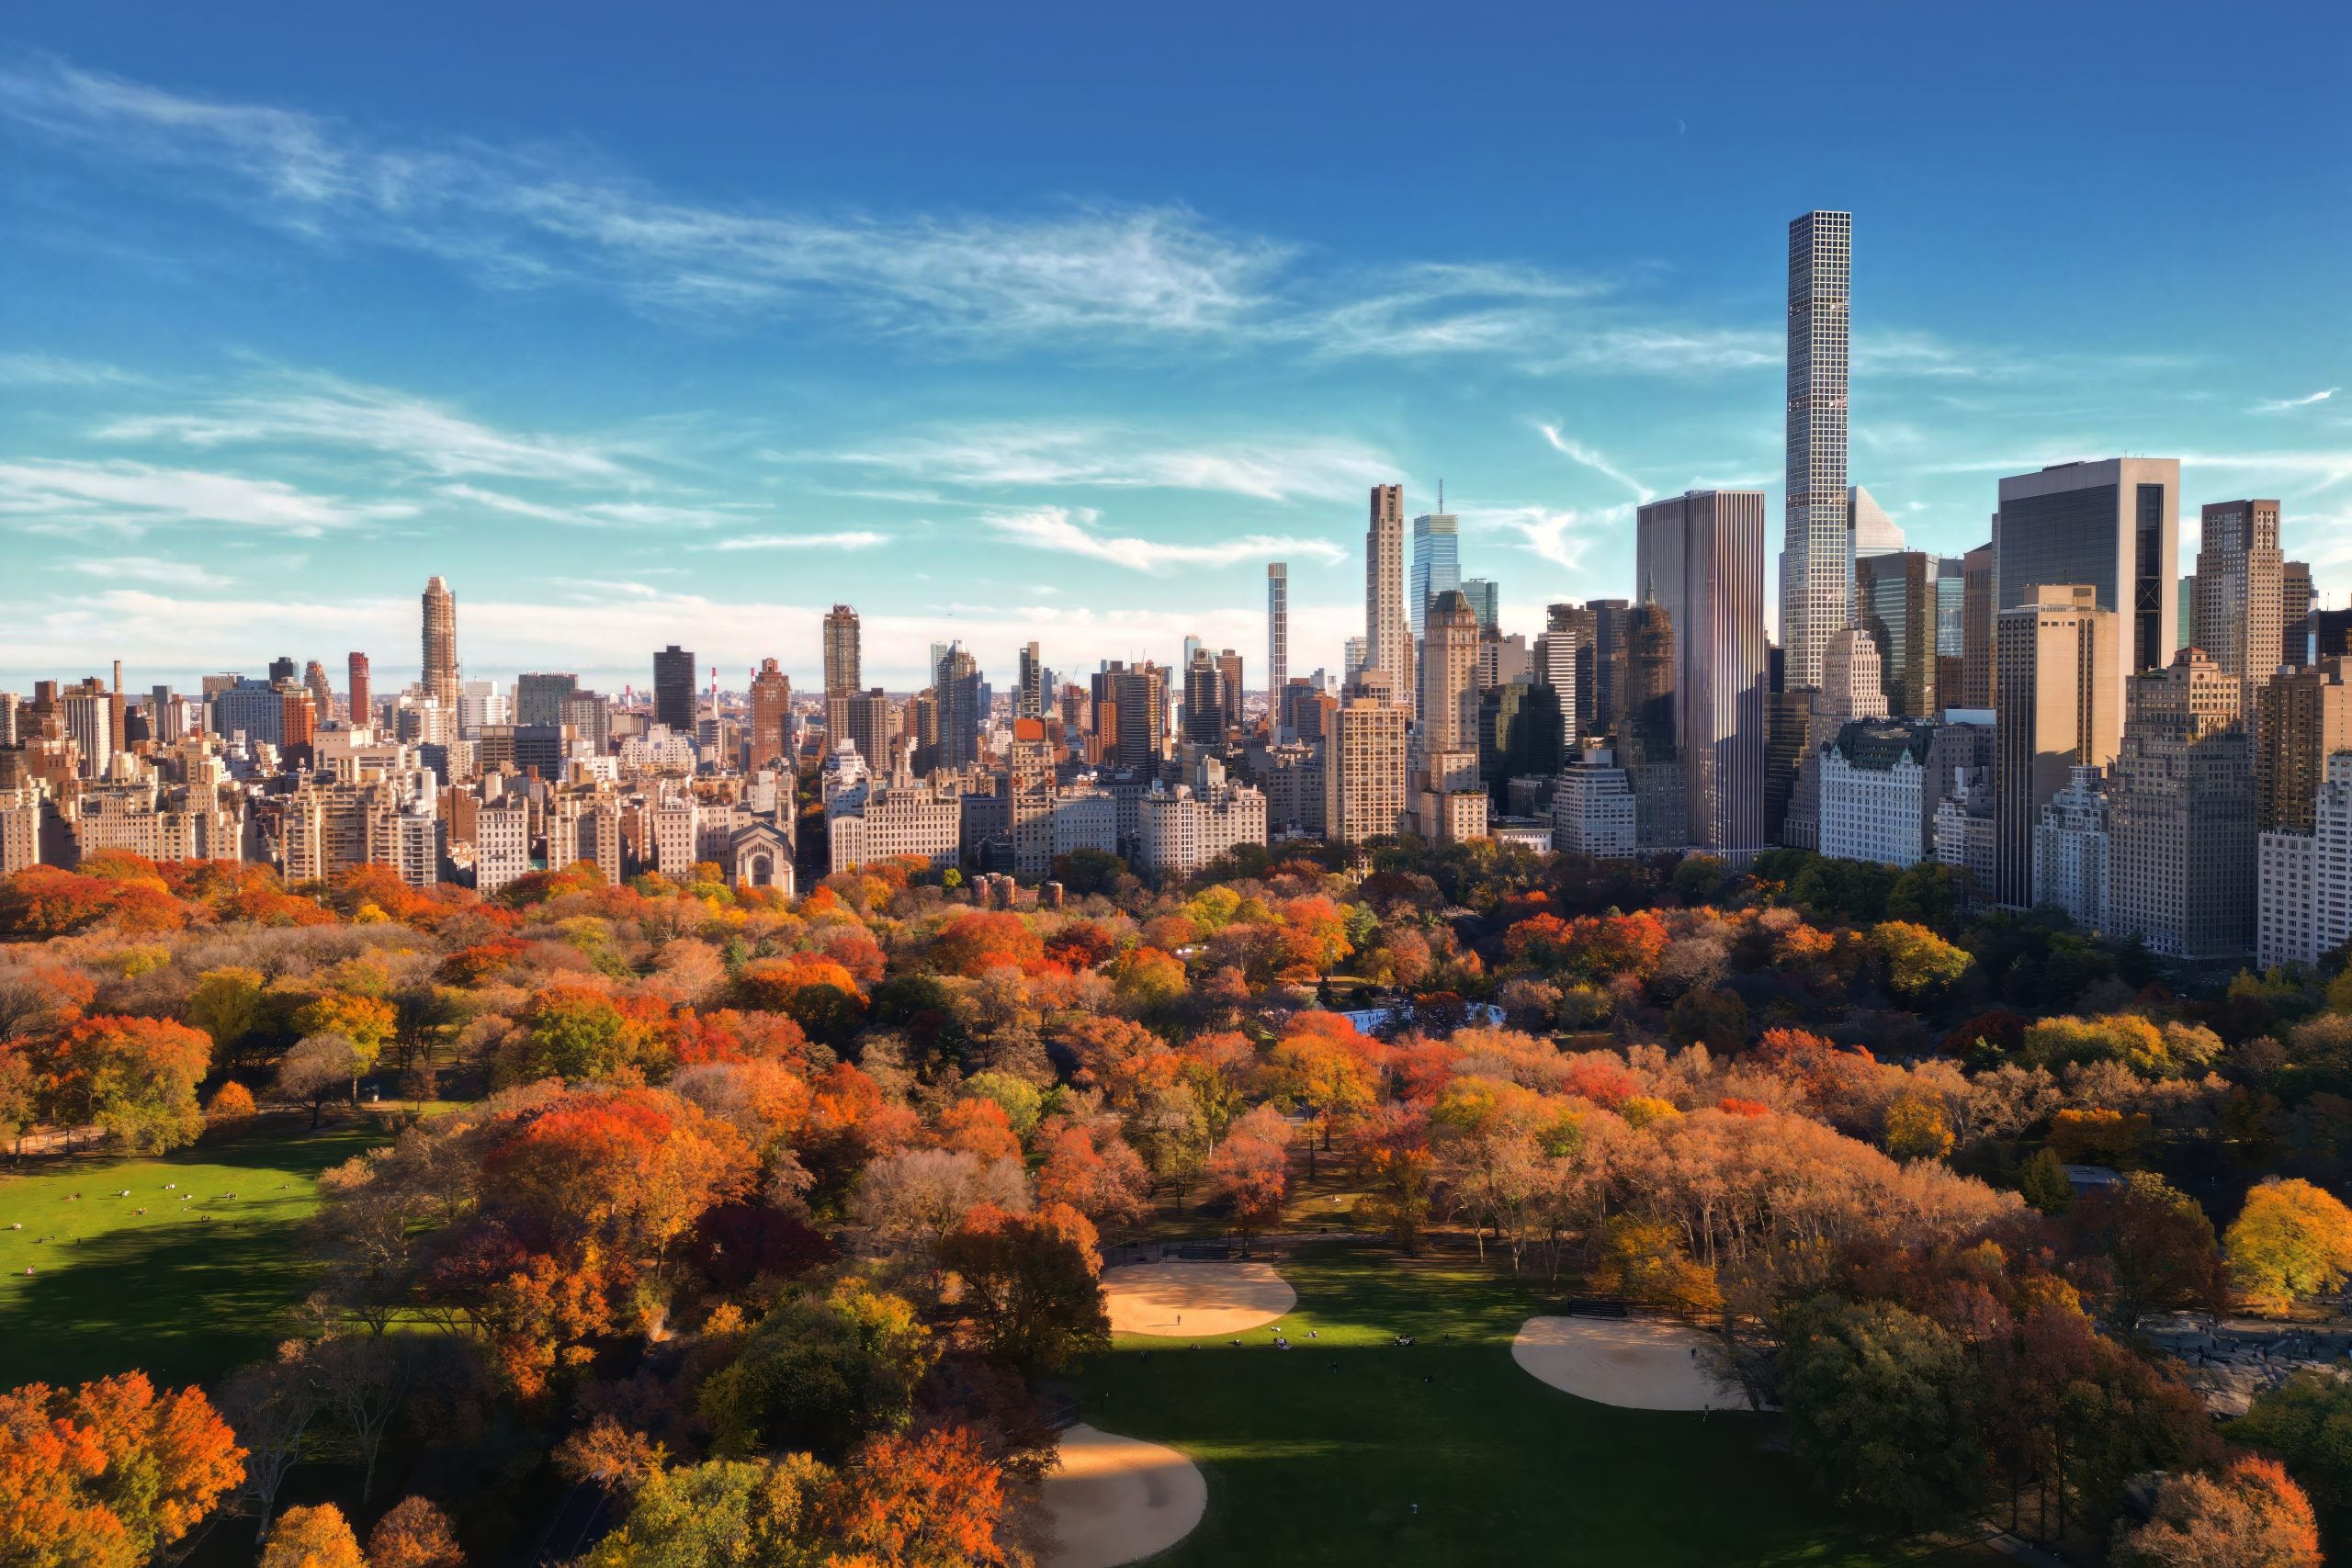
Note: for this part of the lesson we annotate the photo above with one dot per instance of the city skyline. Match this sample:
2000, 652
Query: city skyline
1098, 395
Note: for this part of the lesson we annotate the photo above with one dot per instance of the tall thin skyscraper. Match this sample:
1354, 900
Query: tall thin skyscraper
2112, 525
962, 709
441, 648
2296, 604
1388, 632
1977, 665
1029, 702
2240, 599
1277, 643
841, 664
1701, 556
674, 689
1437, 565
363, 694
1816, 559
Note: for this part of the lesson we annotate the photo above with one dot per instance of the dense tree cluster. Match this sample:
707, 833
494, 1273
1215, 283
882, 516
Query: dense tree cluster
770, 1214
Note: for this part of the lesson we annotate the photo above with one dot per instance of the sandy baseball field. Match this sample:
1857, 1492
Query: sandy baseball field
1117, 1499
1186, 1301
1637, 1362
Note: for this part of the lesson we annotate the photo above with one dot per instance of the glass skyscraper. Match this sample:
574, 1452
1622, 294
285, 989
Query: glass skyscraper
1437, 564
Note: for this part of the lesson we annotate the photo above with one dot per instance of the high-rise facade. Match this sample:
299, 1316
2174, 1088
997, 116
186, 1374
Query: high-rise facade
844, 675
2301, 718
1608, 627
674, 689
1868, 530
1365, 769
315, 681
539, 696
962, 709
2112, 527
1388, 632
1437, 565
1029, 697
771, 737
1977, 621
1486, 596
2296, 604
1568, 660
2304, 877
1277, 643
362, 693
1816, 567
441, 645
1701, 555
2241, 589
2061, 707
1894, 601
2181, 812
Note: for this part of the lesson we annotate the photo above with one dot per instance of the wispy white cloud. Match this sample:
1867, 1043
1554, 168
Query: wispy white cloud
52, 370
1577, 451
324, 411
2281, 405
153, 569
1108, 456
1071, 531
1564, 536
840, 539
131, 496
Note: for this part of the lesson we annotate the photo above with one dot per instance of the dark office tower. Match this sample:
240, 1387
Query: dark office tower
2296, 606
1519, 736
674, 690
281, 671
1976, 622
1646, 730
1029, 702
1700, 554
1895, 601
1816, 547
1790, 716
1205, 717
441, 649
540, 696
363, 693
962, 707
1130, 713
1608, 618
1228, 684
2111, 525
1952, 606
771, 737
1568, 664
841, 653
2330, 634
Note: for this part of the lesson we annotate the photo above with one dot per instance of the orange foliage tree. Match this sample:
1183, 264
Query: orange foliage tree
135, 1078
108, 1475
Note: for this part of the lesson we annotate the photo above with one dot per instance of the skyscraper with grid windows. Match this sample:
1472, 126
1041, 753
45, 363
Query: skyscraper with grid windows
1816, 552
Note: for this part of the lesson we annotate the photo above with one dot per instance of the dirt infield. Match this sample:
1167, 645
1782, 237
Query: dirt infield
1185, 1300
1635, 1362
1117, 1499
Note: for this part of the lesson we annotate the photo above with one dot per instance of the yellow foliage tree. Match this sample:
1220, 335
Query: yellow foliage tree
2290, 1240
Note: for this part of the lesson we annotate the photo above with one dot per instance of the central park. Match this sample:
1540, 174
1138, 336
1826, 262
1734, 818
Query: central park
1463, 1208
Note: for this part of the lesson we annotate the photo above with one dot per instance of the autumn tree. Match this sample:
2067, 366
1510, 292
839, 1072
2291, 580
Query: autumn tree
2157, 1244
1920, 966
1094, 1171
318, 1068
2252, 1514
414, 1533
2291, 1241
135, 1078
311, 1537
1250, 1173
1032, 1285
108, 1475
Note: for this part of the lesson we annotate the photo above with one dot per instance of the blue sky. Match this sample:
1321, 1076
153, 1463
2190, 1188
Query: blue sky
1019, 321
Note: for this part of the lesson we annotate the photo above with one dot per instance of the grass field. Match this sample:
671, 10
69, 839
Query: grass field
179, 1297
1310, 1465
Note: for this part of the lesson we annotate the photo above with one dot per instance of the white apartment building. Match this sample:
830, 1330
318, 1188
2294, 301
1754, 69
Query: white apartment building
1185, 830
2304, 906
501, 843
878, 822
1873, 781
2074, 850
1592, 808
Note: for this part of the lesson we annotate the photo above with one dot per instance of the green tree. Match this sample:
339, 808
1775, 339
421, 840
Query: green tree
821, 1373
1882, 1406
2041, 1182
2307, 1422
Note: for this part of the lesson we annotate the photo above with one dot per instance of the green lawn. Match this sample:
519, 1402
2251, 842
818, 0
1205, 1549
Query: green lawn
180, 1297
1308, 1465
